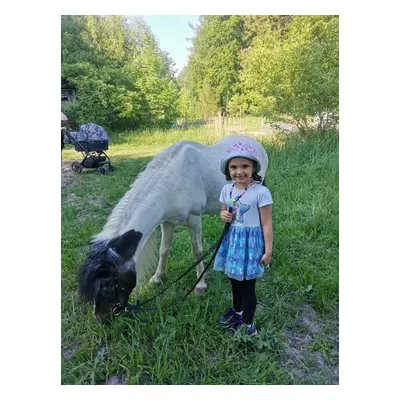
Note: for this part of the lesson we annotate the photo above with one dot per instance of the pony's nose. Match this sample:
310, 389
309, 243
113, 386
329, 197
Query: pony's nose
104, 318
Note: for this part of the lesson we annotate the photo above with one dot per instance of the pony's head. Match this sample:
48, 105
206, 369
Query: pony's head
108, 276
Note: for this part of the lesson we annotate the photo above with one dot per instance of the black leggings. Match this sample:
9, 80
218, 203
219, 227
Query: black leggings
244, 298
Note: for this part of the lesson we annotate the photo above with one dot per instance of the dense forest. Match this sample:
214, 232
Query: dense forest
282, 68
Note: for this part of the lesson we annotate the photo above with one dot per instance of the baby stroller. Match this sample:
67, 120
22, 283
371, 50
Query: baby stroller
91, 141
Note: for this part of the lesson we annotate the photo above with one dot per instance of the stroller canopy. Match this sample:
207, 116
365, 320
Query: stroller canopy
92, 133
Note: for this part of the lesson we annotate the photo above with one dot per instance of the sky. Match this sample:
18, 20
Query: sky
171, 32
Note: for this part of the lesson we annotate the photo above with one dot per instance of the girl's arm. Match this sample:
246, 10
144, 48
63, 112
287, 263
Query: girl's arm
266, 223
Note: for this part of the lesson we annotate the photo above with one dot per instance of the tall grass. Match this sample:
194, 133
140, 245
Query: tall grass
185, 345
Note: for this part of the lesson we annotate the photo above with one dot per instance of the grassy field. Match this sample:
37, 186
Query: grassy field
297, 314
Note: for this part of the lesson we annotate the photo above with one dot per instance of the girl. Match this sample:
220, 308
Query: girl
247, 246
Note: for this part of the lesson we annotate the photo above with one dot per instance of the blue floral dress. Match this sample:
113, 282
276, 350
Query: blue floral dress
243, 244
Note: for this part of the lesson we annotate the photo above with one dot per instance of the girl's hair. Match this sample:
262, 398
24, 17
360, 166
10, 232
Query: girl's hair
255, 176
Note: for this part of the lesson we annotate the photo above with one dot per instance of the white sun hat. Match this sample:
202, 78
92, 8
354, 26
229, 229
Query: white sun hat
240, 149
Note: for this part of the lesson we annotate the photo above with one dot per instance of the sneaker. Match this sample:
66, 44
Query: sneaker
248, 331
228, 316
252, 331
236, 324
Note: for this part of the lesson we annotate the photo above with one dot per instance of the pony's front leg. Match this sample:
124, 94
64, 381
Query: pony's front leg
167, 231
194, 224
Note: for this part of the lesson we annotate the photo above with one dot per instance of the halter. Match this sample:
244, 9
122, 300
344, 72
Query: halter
119, 307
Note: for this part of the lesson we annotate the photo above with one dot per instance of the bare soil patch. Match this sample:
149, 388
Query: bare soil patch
68, 177
311, 352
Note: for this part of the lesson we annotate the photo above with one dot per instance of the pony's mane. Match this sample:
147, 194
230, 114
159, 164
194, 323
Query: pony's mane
135, 195
148, 258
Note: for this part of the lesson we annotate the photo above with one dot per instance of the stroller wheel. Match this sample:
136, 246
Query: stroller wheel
111, 168
103, 171
76, 167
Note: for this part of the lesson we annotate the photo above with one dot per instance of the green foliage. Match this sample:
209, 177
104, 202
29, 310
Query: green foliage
278, 67
185, 344
208, 102
281, 68
212, 74
293, 74
121, 77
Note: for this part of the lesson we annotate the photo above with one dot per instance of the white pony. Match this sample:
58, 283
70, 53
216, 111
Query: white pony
181, 183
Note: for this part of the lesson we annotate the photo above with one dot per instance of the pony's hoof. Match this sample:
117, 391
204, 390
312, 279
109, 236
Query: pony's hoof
198, 291
155, 280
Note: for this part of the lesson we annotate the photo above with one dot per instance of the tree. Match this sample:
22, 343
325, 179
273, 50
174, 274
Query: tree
292, 73
213, 67
121, 77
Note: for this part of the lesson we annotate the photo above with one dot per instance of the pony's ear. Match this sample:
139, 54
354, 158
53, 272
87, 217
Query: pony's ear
126, 244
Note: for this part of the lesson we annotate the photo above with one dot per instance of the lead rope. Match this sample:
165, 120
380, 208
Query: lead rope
139, 305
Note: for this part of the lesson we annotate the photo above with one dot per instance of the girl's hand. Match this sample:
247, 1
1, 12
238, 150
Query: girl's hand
265, 259
226, 216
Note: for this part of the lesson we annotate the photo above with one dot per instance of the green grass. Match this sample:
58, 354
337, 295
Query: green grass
297, 315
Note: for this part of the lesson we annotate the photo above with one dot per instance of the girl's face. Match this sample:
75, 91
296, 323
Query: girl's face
241, 170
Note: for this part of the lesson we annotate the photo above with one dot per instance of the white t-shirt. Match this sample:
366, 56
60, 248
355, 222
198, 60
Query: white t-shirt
246, 211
